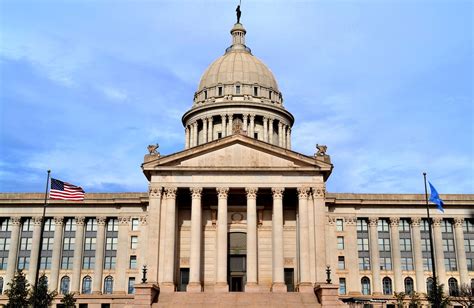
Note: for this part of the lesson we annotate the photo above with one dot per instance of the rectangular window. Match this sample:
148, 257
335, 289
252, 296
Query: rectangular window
133, 262
111, 243
48, 243
45, 263
404, 225
25, 243
382, 226
27, 225
255, 91
112, 225
425, 245
386, 264
3, 263
469, 245
255, 136
342, 286
340, 242
270, 94
341, 263
448, 245
68, 243
131, 285
23, 263
405, 244
427, 264
5, 244
219, 90
109, 263
91, 225
470, 265
219, 135
424, 226
237, 89
66, 263
384, 244
88, 262
49, 225
89, 243
133, 242
362, 225
446, 226
339, 225
407, 263
364, 263
70, 225
5, 225
205, 94
468, 226
450, 264
135, 222
363, 244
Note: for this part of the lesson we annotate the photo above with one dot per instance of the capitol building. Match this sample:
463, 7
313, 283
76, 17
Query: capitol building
237, 218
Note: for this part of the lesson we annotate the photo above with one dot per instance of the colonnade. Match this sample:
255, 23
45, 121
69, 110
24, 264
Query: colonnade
208, 127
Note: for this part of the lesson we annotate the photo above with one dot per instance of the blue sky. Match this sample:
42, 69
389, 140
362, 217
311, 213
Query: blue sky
85, 86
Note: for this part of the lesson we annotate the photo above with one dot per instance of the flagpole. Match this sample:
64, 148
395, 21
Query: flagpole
42, 228
433, 262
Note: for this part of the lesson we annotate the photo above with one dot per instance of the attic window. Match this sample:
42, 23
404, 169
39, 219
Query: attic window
205, 94
219, 90
270, 94
255, 135
237, 89
255, 91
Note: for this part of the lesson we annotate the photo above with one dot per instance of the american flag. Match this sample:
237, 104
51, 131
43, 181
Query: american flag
64, 191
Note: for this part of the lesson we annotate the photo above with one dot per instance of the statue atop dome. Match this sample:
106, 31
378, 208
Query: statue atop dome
239, 13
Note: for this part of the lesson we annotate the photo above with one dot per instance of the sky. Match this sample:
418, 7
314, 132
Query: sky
387, 85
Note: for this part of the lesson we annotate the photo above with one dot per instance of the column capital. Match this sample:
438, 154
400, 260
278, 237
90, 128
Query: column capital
252, 116
101, 220
170, 192
458, 222
204, 119
265, 118
251, 192
124, 220
222, 192
319, 191
350, 220
230, 115
15, 220
302, 192
37, 220
373, 221
209, 118
58, 220
143, 220
415, 221
332, 220
196, 192
154, 191
223, 115
437, 221
245, 116
80, 220
394, 221
278, 192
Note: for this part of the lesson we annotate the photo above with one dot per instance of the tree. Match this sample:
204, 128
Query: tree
68, 300
466, 296
400, 296
415, 300
439, 296
18, 291
40, 297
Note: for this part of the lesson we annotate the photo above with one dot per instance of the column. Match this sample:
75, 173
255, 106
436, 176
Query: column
280, 134
245, 123
12, 253
277, 241
191, 135
186, 139
283, 145
229, 125
305, 284
288, 138
439, 251
252, 126
265, 129
99, 256
204, 129
196, 235
120, 284
35, 249
153, 243
461, 250
210, 131
56, 257
196, 134
251, 285
270, 131
396, 256
77, 259
320, 218
223, 125
375, 255
351, 254
221, 282
168, 274
418, 255
312, 239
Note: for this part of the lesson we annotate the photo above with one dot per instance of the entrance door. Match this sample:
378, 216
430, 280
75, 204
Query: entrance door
237, 261
290, 279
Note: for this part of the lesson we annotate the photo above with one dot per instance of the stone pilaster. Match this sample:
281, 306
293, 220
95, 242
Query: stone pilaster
122, 255
224, 125
170, 240
375, 255
439, 251
418, 255
221, 283
270, 131
280, 134
461, 250
251, 285
77, 259
305, 283
15, 221
311, 237
196, 236
245, 123
204, 130
99, 255
56, 257
265, 129
35, 249
351, 254
196, 134
186, 138
288, 138
320, 217
277, 241
396, 256
229, 125
152, 249
252, 125
210, 131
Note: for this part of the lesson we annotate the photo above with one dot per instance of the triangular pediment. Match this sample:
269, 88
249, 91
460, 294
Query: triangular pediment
237, 152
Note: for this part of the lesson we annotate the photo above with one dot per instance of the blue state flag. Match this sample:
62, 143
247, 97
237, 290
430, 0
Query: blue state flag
436, 199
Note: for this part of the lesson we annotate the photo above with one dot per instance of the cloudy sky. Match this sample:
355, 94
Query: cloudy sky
85, 86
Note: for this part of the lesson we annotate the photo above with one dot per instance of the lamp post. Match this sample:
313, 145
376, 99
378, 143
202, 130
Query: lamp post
144, 270
328, 274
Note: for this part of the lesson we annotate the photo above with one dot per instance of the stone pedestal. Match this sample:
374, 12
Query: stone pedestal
252, 287
279, 287
221, 288
167, 287
194, 287
145, 294
327, 295
306, 287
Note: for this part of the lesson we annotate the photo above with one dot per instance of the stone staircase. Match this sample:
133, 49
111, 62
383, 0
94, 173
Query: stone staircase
236, 299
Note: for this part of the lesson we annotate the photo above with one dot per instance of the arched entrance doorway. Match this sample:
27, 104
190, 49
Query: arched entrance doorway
237, 261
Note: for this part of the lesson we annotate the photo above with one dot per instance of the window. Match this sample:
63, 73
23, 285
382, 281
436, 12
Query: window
25, 243
64, 285
382, 226
91, 225
424, 226
255, 91
87, 285
364, 263
135, 224
131, 285
219, 90
341, 264
89, 243
384, 244
205, 94
387, 286
468, 226
405, 244
23, 262
219, 135
66, 263
45, 263
255, 136
446, 226
386, 264
469, 245
5, 225
1, 285
70, 225
237, 89
404, 225
342, 285
109, 263
3, 263
448, 245
48, 243
408, 285
112, 225
27, 225
470, 266
133, 242
365, 284
425, 245
270, 94
453, 287
407, 263
427, 264
450, 264
361, 225
68, 243
5, 244
133, 262
339, 225
88, 262
108, 285
111, 243
429, 285
49, 225
340, 242
363, 244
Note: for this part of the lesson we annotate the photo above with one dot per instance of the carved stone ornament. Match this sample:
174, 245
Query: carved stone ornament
15, 220
277, 192
37, 220
319, 191
437, 221
260, 218
101, 220
184, 261
394, 221
58, 220
154, 192
170, 192
222, 192
350, 220
458, 222
143, 220
236, 217
321, 150
415, 221
80, 220
124, 220
196, 192
153, 149
288, 261
237, 127
214, 217
373, 221
251, 192
332, 220
303, 192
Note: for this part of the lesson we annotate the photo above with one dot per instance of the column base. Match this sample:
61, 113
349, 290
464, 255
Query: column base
221, 287
194, 287
167, 287
252, 287
279, 287
306, 287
